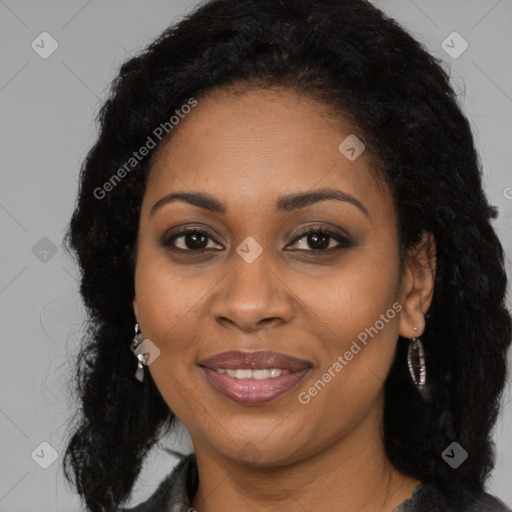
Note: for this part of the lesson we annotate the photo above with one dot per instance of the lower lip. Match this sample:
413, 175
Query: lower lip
253, 391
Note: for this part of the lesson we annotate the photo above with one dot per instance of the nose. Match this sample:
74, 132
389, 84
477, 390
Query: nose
253, 296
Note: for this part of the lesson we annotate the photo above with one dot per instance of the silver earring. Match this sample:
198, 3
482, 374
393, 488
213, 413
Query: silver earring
138, 350
417, 366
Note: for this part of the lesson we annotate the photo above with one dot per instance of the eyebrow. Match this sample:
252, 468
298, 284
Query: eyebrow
286, 203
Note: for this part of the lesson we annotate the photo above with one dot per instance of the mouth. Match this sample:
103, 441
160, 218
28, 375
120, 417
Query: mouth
253, 378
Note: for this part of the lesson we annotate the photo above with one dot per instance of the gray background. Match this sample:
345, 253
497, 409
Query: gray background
47, 125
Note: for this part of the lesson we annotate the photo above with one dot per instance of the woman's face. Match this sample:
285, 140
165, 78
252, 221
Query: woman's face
327, 303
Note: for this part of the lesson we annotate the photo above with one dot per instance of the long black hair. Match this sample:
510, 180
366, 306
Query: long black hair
352, 57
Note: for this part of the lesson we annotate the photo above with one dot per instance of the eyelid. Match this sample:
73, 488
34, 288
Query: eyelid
344, 241
168, 240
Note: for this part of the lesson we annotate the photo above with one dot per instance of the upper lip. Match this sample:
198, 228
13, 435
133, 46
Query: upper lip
254, 360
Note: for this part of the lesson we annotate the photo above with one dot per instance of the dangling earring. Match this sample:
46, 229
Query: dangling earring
417, 367
138, 349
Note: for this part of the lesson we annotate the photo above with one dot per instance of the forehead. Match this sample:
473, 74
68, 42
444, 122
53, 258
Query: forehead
248, 148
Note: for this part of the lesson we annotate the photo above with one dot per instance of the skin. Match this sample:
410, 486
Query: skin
247, 148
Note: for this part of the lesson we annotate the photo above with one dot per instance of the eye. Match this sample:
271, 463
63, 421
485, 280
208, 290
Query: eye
199, 240
322, 240
189, 239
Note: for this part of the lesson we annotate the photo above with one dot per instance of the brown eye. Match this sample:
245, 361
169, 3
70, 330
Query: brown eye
191, 239
322, 240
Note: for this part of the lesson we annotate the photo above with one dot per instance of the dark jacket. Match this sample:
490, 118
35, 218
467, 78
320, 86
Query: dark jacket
175, 492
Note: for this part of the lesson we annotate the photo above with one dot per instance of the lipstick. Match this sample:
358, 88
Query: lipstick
253, 378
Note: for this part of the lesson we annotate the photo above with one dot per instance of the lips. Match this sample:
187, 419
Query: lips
254, 361
252, 378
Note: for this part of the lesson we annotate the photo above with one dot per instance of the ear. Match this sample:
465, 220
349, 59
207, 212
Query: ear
417, 288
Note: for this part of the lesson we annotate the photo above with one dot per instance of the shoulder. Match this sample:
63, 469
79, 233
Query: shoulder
428, 498
486, 502
174, 492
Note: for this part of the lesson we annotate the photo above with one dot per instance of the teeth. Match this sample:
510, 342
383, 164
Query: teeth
261, 374
245, 373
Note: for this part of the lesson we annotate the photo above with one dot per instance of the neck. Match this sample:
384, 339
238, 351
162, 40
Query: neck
352, 474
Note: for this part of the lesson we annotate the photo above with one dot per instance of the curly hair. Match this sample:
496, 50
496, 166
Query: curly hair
370, 71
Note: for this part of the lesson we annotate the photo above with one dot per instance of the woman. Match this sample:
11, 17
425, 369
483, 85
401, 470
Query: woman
285, 203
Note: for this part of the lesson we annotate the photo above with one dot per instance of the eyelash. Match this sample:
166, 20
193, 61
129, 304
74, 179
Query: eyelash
344, 243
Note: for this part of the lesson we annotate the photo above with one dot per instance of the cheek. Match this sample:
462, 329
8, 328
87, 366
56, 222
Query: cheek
345, 387
345, 299
359, 314
168, 306
168, 302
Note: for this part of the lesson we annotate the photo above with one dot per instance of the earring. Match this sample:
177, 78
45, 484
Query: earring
417, 366
138, 350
